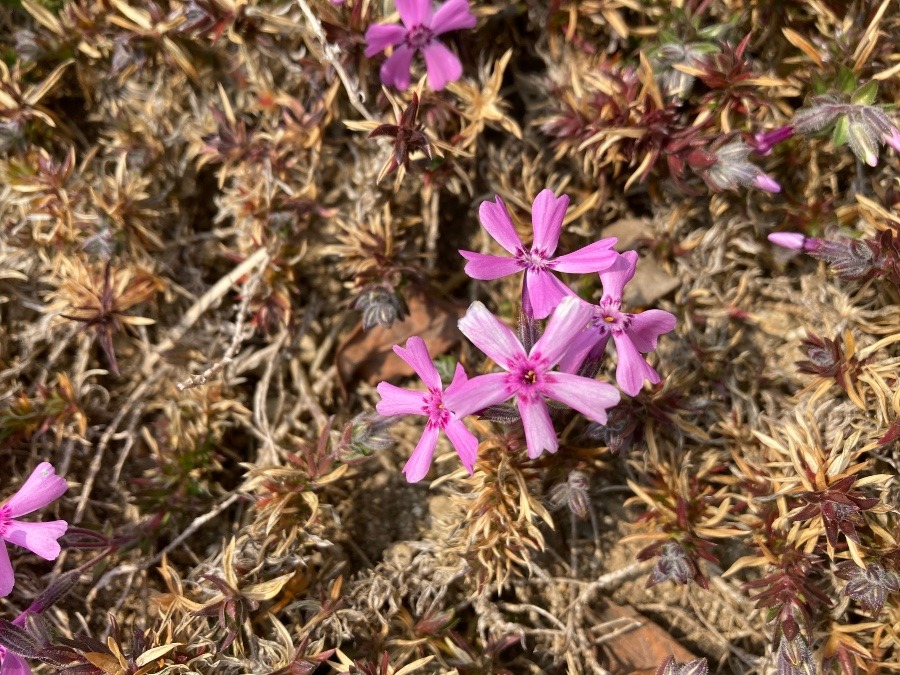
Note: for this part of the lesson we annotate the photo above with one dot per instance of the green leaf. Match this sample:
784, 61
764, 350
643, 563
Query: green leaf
865, 95
846, 81
841, 132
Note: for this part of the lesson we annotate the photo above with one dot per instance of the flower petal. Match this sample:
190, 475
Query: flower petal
381, 36
13, 664
7, 577
539, 432
420, 461
567, 322
632, 369
414, 12
646, 328
544, 291
395, 69
464, 441
490, 335
488, 267
452, 15
577, 350
547, 214
478, 393
397, 401
494, 217
416, 355
595, 257
42, 487
618, 274
39, 538
589, 397
442, 65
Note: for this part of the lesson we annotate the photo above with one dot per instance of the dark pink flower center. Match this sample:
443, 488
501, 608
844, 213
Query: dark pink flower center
608, 319
527, 376
5, 519
433, 406
419, 37
535, 259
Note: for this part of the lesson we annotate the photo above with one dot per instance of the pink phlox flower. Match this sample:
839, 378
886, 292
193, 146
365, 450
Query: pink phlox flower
632, 334
419, 33
529, 375
541, 289
430, 403
42, 487
13, 664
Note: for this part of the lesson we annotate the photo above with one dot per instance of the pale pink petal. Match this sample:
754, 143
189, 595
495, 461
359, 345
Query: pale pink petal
792, 240
13, 664
395, 69
589, 397
491, 335
547, 214
595, 257
566, 323
495, 219
646, 328
488, 267
632, 369
459, 377
420, 461
416, 355
39, 538
452, 15
397, 401
544, 291
464, 441
414, 12
442, 65
7, 577
479, 393
539, 432
893, 139
618, 274
767, 183
381, 36
42, 487
578, 350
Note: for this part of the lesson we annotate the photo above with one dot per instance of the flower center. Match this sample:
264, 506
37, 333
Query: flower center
535, 259
527, 376
419, 36
609, 319
5, 519
434, 408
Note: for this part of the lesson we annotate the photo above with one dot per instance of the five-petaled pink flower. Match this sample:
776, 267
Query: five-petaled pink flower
431, 403
529, 376
418, 33
541, 290
633, 334
42, 487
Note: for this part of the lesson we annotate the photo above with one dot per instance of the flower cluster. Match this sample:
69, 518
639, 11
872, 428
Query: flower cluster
559, 365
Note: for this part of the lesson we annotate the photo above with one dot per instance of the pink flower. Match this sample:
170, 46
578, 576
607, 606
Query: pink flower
795, 241
529, 377
541, 290
397, 401
633, 334
42, 487
418, 33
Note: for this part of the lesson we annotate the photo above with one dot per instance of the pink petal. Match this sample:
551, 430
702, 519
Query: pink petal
420, 461
13, 664
490, 335
488, 267
39, 538
632, 369
595, 257
452, 15
381, 36
792, 240
544, 291
547, 214
42, 487
395, 70
479, 393
589, 397
495, 219
397, 401
464, 441
892, 139
442, 65
414, 12
566, 323
618, 274
539, 432
7, 578
416, 355
767, 183
459, 377
646, 328
578, 350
